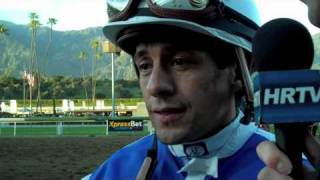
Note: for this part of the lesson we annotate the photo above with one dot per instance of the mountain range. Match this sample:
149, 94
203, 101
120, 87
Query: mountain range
63, 58
63, 55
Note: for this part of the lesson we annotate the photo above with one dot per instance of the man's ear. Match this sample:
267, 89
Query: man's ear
236, 83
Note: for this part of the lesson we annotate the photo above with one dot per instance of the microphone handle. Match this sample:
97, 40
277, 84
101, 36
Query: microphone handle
290, 140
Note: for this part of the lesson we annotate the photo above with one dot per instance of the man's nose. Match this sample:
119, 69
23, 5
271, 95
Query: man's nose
161, 83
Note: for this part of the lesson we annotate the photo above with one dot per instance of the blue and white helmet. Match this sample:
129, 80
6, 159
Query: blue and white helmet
232, 21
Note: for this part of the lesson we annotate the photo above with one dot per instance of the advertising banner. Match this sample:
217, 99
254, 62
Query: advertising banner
125, 125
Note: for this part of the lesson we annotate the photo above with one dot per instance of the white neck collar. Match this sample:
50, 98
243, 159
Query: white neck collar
223, 144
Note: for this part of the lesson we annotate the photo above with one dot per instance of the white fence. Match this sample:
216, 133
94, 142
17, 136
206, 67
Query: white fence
19, 127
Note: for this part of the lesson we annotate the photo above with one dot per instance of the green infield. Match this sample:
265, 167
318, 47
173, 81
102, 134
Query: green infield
65, 131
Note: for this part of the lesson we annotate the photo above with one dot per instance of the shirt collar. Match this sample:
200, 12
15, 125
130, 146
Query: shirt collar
223, 144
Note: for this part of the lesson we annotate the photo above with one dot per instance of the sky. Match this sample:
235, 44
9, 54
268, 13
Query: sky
295, 9
81, 14
71, 14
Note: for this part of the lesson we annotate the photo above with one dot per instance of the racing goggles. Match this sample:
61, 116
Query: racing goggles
211, 13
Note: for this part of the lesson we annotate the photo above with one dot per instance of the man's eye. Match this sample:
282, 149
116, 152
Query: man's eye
180, 63
143, 66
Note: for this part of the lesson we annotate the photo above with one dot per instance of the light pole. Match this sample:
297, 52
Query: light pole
112, 85
24, 90
108, 47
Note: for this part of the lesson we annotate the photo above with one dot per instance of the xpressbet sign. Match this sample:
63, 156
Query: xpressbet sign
125, 125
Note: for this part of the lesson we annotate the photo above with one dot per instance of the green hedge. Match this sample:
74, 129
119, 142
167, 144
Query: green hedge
78, 102
83, 118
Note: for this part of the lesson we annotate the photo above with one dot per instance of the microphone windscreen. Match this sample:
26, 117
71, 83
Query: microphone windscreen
282, 44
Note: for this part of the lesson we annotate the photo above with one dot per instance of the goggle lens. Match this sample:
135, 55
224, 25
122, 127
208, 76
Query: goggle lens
116, 8
182, 4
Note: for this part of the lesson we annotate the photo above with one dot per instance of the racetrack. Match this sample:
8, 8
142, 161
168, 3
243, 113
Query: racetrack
56, 157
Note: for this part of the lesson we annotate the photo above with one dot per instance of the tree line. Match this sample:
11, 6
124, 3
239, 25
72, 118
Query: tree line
37, 84
64, 87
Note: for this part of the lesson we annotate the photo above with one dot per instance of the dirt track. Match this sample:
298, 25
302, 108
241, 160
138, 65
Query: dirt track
55, 158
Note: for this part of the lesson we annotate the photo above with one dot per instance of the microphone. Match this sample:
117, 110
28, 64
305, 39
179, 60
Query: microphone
286, 92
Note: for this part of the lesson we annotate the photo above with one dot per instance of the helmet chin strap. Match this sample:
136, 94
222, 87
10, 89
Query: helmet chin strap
246, 80
150, 162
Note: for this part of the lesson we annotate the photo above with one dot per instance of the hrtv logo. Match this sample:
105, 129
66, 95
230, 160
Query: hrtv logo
289, 95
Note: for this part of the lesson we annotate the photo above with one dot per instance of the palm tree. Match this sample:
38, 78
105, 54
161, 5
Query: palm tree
83, 58
3, 29
96, 56
33, 68
34, 25
51, 22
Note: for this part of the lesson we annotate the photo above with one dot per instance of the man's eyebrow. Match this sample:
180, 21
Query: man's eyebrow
139, 53
168, 48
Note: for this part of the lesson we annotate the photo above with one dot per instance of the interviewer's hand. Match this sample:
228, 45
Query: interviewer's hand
278, 166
